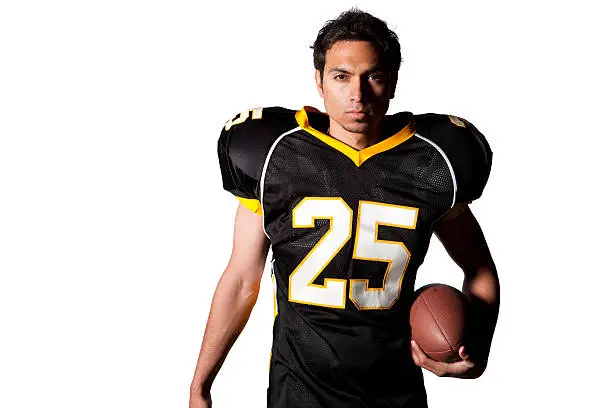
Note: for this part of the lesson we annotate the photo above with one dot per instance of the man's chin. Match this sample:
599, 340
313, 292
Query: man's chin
357, 127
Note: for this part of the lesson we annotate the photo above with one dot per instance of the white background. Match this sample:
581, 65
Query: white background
114, 227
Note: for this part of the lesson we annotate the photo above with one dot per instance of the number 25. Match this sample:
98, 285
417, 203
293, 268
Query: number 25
367, 247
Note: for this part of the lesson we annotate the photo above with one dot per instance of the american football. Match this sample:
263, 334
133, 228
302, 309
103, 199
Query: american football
438, 319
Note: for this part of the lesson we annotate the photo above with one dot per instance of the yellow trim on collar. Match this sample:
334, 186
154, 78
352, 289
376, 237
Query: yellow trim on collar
356, 156
252, 204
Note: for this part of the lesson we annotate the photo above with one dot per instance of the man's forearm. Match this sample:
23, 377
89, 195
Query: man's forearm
229, 312
482, 289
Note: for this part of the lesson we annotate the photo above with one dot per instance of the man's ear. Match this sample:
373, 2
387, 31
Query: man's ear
319, 81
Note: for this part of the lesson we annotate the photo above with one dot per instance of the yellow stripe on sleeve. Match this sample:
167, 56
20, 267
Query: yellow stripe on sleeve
252, 204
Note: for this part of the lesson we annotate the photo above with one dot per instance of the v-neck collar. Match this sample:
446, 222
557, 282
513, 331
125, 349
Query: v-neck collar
356, 156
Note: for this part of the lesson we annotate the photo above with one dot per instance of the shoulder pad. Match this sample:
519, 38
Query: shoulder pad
466, 149
244, 144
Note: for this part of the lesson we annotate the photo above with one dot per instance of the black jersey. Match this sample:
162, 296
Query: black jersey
348, 231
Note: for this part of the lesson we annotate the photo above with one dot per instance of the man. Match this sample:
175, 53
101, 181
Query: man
348, 200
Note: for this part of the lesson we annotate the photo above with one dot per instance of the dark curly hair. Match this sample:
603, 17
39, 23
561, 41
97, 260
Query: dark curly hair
355, 24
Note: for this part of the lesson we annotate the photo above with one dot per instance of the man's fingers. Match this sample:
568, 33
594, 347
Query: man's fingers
463, 354
442, 369
417, 354
456, 369
421, 359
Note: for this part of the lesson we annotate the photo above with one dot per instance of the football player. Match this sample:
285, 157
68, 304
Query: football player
348, 200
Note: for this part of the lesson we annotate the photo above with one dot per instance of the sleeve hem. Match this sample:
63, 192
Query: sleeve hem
252, 204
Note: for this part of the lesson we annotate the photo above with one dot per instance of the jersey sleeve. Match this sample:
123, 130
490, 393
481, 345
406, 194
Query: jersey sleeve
468, 153
242, 148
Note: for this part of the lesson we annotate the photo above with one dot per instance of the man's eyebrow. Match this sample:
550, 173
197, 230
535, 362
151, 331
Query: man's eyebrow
375, 69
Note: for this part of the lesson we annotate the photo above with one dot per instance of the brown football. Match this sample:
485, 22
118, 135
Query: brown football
438, 318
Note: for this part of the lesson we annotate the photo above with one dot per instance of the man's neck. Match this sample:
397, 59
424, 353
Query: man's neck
357, 141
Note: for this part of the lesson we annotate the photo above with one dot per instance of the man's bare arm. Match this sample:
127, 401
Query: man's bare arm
464, 241
232, 302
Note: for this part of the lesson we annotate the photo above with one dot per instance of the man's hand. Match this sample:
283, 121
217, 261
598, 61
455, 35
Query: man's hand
199, 399
460, 369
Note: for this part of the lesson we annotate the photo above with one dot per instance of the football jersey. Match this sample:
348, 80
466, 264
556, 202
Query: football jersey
348, 230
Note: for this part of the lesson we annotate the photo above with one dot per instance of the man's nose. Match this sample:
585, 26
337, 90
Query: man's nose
357, 90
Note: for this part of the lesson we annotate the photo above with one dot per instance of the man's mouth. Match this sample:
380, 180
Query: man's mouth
356, 113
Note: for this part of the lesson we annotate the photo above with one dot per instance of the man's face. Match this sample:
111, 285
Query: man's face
355, 88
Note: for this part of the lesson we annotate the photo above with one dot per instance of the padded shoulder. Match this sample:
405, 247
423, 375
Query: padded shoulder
465, 147
244, 144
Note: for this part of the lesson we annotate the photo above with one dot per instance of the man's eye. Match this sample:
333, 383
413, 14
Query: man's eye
340, 76
377, 77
